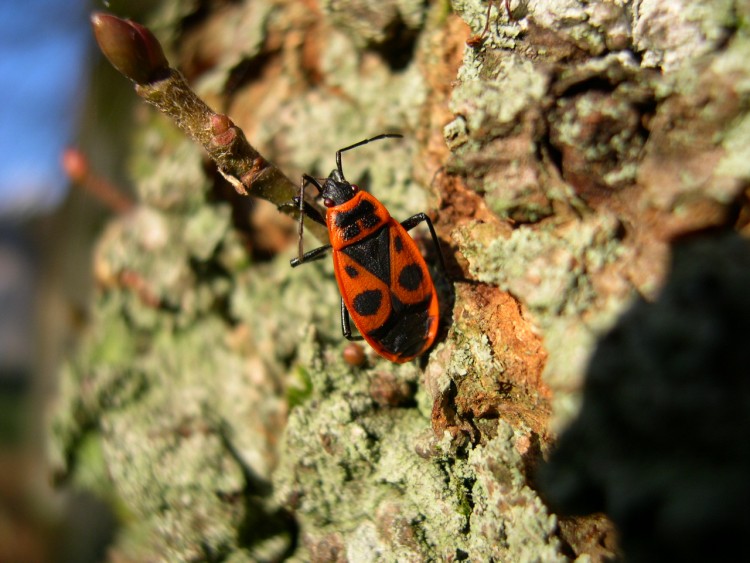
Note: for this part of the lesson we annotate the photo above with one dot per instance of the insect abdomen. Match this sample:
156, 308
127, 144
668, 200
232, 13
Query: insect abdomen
388, 292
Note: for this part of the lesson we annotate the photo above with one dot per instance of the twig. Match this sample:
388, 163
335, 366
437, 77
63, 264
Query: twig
76, 166
135, 52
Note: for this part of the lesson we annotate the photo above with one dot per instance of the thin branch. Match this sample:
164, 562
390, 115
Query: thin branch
135, 52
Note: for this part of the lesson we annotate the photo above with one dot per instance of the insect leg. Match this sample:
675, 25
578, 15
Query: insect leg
309, 211
415, 220
310, 255
476, 40
346, 328
303, 208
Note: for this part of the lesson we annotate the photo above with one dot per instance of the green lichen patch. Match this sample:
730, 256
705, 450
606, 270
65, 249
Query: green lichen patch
508, 519
677, 32
548, 269
182, 410
350, 472
187, 460
491, 104
369, 24
168, 167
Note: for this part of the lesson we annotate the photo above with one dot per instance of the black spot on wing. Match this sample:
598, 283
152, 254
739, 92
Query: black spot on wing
351, 271
348, 232
368, 302
351, 222
410, 277
406, 329
398, 244
373, 254
370, 221
361, 210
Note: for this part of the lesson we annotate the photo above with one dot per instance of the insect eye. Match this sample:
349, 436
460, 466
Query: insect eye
355, 189
328, 202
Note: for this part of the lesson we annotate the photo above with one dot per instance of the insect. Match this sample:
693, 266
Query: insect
385, 286
477, 40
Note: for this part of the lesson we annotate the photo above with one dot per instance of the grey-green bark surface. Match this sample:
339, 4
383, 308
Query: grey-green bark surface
559, 158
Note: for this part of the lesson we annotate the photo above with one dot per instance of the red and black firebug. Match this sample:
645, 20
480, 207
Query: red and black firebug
384, 282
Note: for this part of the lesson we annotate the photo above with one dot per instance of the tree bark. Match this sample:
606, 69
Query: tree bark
561, 152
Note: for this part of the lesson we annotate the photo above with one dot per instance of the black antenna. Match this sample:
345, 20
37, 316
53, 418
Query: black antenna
359, 144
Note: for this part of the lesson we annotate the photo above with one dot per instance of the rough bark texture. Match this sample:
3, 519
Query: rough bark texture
560, 155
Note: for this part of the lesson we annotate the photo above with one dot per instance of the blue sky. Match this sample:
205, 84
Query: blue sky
44, 48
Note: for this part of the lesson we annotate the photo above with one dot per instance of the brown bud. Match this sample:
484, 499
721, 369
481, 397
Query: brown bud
220, 123
75, 164
131, 48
